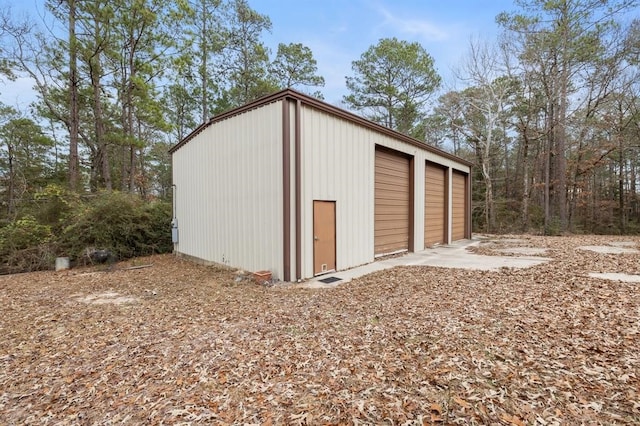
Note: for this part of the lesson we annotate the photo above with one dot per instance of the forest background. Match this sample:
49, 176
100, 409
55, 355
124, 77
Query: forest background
548, 111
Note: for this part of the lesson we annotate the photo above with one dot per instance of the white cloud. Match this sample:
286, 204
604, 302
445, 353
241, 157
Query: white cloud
421, 28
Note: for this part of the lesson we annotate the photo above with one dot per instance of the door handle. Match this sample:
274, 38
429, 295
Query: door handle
315, 238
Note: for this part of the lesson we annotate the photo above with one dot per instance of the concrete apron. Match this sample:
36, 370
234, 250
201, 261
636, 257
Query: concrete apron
449, 256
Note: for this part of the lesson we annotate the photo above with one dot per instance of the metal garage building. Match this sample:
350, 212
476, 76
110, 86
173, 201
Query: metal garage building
299, 187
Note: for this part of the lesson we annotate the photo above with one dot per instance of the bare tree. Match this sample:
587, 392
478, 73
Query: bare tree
484, 107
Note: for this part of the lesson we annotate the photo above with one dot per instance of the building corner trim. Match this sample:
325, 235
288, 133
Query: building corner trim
298, 188
286, 189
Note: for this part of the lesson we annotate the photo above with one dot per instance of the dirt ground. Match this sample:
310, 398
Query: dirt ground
182, 343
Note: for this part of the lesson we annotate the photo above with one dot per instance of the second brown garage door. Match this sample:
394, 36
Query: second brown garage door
392, 174
435, 197
459, 206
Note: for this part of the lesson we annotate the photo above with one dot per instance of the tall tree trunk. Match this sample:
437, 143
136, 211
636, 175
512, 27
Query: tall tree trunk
204, 72
547, 171
11, 202
95, 70
486, 174
130, 88
124, 163
74, 162
560, 186
633, 203
488, 202
141, 178
621, 168
525, 182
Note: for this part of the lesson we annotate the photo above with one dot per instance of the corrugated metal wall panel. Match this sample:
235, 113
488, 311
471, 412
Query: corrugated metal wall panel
229, 191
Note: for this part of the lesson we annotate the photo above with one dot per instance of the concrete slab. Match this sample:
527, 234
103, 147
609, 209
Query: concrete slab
608, 249
616, 276
622, 244
450, 256
509, 240
530, 251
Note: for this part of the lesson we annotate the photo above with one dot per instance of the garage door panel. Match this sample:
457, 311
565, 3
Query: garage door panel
388, 242
459, 205
392, 167
384, 209
435, 205
386, 229
392, 199
391, 217
392, 170
389, 186
392, 233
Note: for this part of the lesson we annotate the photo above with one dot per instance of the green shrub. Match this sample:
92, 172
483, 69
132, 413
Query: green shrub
121, 223
25, 245
53, 205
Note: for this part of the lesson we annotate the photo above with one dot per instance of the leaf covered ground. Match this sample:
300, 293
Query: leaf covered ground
184, 343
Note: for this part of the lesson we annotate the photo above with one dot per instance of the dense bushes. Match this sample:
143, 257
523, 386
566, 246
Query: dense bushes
25, 245
63, 224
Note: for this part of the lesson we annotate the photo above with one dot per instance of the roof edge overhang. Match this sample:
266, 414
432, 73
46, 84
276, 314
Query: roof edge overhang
322, 106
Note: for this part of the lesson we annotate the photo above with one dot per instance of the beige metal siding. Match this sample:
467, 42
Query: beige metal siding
458, 206
338, 164
392, 196
435, 205
229, 191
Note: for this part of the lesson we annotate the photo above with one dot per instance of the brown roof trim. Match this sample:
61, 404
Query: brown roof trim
325, 107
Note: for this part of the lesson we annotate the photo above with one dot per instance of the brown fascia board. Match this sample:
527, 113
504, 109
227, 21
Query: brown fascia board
325, 107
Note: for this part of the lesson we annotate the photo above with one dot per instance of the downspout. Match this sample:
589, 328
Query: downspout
298, 178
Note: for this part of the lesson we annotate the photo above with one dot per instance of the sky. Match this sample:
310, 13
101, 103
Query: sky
339, 31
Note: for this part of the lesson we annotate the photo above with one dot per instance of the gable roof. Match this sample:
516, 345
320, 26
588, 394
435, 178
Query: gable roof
324, 107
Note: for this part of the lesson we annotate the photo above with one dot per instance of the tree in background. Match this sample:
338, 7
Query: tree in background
295, 66
556, 116
247, 58
392, 83
483, 107
201, 26
141, 37
25, 160
74, 117
565, 42
7, 29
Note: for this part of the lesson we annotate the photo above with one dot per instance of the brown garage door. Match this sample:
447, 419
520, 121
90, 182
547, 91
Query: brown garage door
435, 198
458, 205
391, 202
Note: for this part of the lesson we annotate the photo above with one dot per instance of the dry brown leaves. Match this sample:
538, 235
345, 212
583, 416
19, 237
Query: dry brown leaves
183, 343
